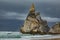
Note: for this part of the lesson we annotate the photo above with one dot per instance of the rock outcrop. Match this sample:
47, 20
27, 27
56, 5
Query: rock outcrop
55, 29
34, 24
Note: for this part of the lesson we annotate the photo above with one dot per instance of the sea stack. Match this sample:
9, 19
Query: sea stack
55, 29
34, 24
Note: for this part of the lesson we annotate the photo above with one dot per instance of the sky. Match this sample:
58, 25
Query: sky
19, 9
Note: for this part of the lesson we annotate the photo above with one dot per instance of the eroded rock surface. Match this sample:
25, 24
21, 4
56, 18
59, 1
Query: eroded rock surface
55, 29
34, 24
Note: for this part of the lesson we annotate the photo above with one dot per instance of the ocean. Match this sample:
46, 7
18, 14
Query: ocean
4, 35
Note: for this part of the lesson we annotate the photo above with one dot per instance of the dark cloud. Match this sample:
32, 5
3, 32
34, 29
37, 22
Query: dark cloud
17, 10
47, 8
12, 7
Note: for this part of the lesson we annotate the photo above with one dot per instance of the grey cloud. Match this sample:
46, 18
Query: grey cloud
18, 16
50, 19
13, 15
47, 8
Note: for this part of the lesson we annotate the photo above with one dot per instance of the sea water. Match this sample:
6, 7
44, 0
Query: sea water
19, 36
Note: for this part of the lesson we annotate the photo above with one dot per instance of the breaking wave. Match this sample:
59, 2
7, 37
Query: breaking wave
19, 35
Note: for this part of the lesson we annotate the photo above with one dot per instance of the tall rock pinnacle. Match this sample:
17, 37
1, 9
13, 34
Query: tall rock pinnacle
34, 24
31, 12
32, 9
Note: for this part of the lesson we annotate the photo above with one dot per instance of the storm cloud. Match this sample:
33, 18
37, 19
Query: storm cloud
19, 9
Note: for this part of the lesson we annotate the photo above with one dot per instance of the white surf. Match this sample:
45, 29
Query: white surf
19, 36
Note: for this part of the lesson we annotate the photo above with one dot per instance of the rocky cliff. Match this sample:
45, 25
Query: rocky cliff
34, 24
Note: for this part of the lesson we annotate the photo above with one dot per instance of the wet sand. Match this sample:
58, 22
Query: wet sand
54, 39
47, 39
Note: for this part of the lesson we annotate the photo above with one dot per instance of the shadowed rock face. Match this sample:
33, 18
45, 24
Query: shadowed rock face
55, 29
34, 24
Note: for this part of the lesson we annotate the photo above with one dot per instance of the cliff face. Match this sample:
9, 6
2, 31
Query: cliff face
34, 24
55, 29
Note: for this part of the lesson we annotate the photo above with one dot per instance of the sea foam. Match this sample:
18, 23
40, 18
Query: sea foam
20, 36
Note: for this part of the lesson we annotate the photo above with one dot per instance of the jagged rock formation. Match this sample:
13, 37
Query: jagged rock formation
55, 29
34, 24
